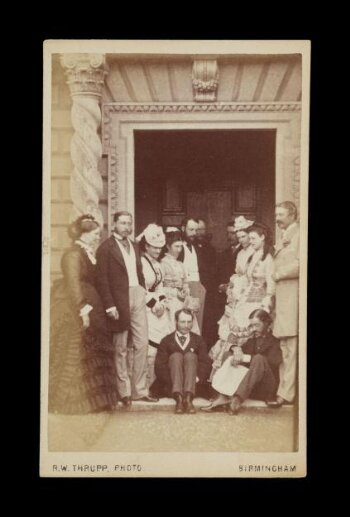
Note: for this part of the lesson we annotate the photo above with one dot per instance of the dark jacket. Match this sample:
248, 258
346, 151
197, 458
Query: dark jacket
227, 264
113, 283
77, 288
269, 346
208, 265
168, 346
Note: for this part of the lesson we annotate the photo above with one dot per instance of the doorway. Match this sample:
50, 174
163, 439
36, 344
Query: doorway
213, 174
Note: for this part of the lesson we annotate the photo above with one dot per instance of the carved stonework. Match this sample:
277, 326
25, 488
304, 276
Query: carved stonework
85, 73
113, 181
296, 177
188, 107
85, 77
205, 80
119, 120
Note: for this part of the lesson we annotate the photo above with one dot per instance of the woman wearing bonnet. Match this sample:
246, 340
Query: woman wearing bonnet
175, 286
152, 241
82, 371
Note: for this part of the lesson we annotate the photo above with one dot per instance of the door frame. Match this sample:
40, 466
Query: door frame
120, 120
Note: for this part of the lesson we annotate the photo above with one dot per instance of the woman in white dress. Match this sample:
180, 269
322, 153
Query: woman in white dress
174, 281
238, 282
258, 293
152, 241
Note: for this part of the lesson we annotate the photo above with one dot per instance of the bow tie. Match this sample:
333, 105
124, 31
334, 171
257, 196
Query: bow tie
125, 243
182, 339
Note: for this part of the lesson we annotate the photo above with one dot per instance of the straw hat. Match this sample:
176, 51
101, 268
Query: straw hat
154, 235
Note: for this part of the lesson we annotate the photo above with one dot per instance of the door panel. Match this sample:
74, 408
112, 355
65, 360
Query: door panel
219, 210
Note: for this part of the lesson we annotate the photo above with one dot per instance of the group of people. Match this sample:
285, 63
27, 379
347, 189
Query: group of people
168, 316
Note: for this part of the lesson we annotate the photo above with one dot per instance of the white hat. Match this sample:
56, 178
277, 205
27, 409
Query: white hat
154, 235
241, 223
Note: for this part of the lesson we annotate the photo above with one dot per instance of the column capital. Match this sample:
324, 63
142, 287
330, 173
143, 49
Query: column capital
85, 73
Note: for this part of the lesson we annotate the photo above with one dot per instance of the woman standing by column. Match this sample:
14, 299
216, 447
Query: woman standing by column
82, 369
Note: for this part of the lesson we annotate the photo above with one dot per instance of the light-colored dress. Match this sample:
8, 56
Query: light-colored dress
158, 327
239, 281
176, 289
258, 293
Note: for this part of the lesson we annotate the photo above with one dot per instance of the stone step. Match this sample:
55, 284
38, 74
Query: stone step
166, 404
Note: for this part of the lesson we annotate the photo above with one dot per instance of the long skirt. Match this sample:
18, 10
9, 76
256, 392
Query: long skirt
82, 375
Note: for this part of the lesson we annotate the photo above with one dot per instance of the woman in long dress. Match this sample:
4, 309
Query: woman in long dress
257, 293
152, 241
82, 375
175, 285
239, 280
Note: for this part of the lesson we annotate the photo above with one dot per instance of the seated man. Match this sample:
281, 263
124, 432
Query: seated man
181, 362
260, 356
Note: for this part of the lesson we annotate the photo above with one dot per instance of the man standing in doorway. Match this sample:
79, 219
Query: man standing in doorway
195, 269
287, 298
208, 273
121, 284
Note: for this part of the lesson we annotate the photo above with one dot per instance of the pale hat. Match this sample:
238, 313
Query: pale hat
241, 223
154, 235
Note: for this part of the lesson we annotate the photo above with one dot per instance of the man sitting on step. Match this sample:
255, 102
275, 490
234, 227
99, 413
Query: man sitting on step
182, 363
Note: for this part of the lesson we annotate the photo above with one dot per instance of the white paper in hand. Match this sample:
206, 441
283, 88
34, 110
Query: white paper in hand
227, 379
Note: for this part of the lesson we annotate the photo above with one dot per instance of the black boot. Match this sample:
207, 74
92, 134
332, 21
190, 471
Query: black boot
188, 406
179, 404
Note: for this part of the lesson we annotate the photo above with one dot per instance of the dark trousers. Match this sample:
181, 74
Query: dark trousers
183, 372
260, 382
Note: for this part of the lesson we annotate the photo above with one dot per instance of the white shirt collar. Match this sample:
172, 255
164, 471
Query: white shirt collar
177, 337
88, 249
118, 237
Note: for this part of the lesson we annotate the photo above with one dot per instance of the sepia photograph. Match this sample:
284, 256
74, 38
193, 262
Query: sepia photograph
174, 258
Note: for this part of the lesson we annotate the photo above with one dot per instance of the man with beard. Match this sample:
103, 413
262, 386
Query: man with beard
286, 277
121, 284
195, 267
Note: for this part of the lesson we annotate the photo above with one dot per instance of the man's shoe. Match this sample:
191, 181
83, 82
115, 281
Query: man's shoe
126, 401
275, 404
179, 404
148, 398
208, 409
188, 406
234, 406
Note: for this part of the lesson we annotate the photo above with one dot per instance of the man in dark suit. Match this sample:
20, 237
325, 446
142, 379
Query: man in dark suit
226, 266
120, 282
208, 274
182, 362
262, 354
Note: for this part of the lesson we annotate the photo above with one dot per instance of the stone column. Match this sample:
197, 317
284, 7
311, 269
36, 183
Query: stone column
85, 78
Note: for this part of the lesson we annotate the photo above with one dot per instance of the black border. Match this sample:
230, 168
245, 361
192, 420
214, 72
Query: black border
33, 169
